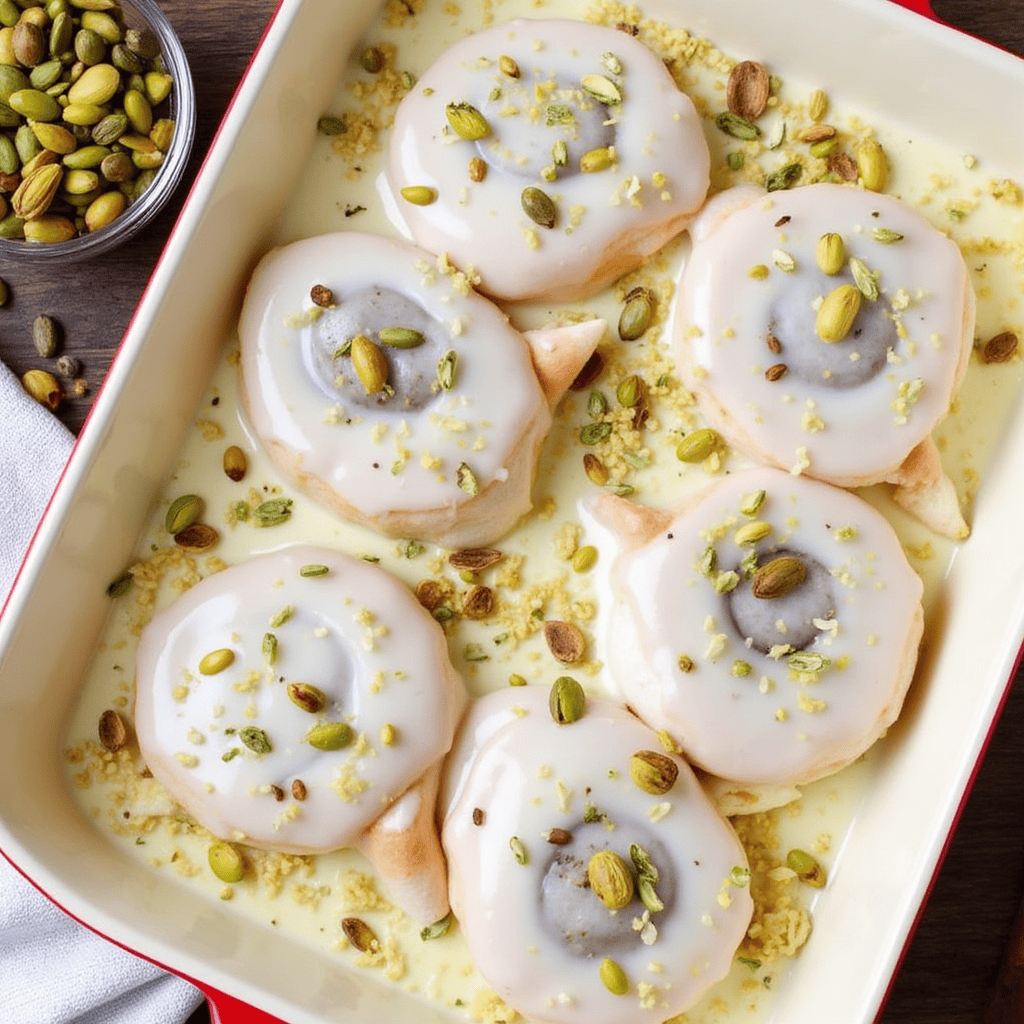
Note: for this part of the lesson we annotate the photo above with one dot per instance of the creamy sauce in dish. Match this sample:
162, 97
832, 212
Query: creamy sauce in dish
535, 580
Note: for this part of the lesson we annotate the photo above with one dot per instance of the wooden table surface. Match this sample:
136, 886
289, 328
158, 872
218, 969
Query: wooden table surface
953, 961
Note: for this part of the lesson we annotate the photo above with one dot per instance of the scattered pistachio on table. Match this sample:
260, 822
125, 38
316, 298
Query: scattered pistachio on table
84, 122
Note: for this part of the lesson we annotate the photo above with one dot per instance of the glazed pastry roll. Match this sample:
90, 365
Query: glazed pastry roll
771, 625
552, 156
590, 874
302, 702
824, 330
382, 385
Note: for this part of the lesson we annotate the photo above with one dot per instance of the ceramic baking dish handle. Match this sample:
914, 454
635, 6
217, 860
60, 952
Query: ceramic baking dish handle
922, 7
228, 1010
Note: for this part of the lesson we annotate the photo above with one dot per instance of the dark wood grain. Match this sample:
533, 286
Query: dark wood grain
952, 964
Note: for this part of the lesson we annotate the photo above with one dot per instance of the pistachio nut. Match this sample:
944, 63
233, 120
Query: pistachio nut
596, 160
698, 445
97, 85
32, 103
585, 558
12, 79
831, 253
653, 772
466, 480
226, 862
330, 736
197, 538
400, 337
872, 165
10, 162
419, 195
837, 313
273, 512
508, 66
127, 60
370, 364
307, 697
109, 129
162, 133
44, 388
235, 463
104, 210
103, 25
217, 661
467, 122
806, 868
597, 472
602, 89
539, 207
78, 182
89, 46
44, 76
183, 512
778, 577
565, 640
360, 934
630, 391
611, 879
85, 157
44, 336
83, 113
117, 167
613, 977
112, 731
636, 314
48, 228
142, 41
158, 86
138, 111
566, 700
29, 43
750, 533
255, 739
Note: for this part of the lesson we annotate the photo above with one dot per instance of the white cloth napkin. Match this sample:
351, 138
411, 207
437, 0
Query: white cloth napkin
52, 970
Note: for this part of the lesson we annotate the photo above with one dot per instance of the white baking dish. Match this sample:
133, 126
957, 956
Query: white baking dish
50, 625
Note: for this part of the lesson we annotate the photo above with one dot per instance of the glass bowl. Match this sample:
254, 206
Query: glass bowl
141, 211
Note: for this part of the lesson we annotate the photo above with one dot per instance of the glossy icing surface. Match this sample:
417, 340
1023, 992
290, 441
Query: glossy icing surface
780, 689
848, 411
608, 220
353, 633
535, 929
411, 462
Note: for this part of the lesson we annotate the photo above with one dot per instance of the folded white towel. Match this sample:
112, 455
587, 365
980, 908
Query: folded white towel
52, 970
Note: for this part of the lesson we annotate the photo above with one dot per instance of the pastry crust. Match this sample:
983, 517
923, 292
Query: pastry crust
854, 412
451, 463
653, 176
238, 746
768, 690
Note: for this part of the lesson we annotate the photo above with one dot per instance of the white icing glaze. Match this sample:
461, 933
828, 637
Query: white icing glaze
357, 635
610, 220
528, 775
775, 725
847, 435
393, 468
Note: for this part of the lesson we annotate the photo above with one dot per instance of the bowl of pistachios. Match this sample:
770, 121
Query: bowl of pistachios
97, 118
